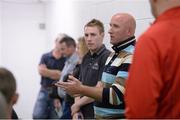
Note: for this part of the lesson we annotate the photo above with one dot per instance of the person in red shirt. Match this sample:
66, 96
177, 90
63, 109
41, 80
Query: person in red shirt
153, 86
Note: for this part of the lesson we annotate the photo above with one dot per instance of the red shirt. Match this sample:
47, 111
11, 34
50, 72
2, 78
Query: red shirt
153, 86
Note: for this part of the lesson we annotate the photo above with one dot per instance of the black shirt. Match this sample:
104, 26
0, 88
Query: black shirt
91, 71
92, 66
14, 115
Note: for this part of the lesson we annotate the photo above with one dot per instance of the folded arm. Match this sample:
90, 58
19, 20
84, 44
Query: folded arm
45, 72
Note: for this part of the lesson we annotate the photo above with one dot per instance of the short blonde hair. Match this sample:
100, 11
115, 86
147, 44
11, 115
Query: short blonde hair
97, 23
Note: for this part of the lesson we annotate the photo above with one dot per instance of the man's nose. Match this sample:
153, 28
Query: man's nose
110, 31
89, 38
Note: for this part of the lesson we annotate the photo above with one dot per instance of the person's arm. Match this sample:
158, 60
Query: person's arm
74, 86
79, 103
76, 99
115, 94
86, 100
98, 93
83, 101
74, 109
45, 72
144, 84
93, 92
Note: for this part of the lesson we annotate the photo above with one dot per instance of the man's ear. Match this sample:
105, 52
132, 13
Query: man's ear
102, 34
128, 32
15, 98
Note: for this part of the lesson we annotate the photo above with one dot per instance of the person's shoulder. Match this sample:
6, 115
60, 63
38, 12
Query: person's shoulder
74, 58
107, 51
150, 39
105, 55
86, 56
62, 58
160, 29
47, 54
85, 59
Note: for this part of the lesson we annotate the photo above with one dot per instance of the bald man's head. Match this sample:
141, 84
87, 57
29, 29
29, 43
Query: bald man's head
122, 26
129, 21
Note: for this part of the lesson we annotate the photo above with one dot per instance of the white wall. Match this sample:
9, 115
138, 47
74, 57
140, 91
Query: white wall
0, 32
104, 9
70, 16
22, 46
61, 18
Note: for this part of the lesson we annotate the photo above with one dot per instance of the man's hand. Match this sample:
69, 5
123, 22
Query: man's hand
75, 108
72, 87
76, 116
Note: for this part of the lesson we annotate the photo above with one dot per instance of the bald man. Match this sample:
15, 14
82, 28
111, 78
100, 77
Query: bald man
110, 92
153, 87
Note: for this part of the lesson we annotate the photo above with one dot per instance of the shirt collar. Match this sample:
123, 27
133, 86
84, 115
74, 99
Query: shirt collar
169, 14
122, 45
50, 54
98, 52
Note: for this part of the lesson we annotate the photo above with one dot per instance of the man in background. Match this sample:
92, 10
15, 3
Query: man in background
50, 68
152, 89
68, 48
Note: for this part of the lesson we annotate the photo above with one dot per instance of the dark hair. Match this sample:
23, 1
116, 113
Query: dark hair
60, 36
3, 107
7, 84
69, 41
95, 22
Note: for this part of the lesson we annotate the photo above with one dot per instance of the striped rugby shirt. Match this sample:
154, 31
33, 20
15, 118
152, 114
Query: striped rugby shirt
117, 65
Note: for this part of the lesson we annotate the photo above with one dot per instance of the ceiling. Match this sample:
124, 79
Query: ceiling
37, 1
24, 1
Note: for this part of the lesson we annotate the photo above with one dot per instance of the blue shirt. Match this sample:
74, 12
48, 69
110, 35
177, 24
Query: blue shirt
70, 64
51, 63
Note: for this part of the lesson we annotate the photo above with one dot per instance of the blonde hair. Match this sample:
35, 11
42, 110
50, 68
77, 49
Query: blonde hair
82, 46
